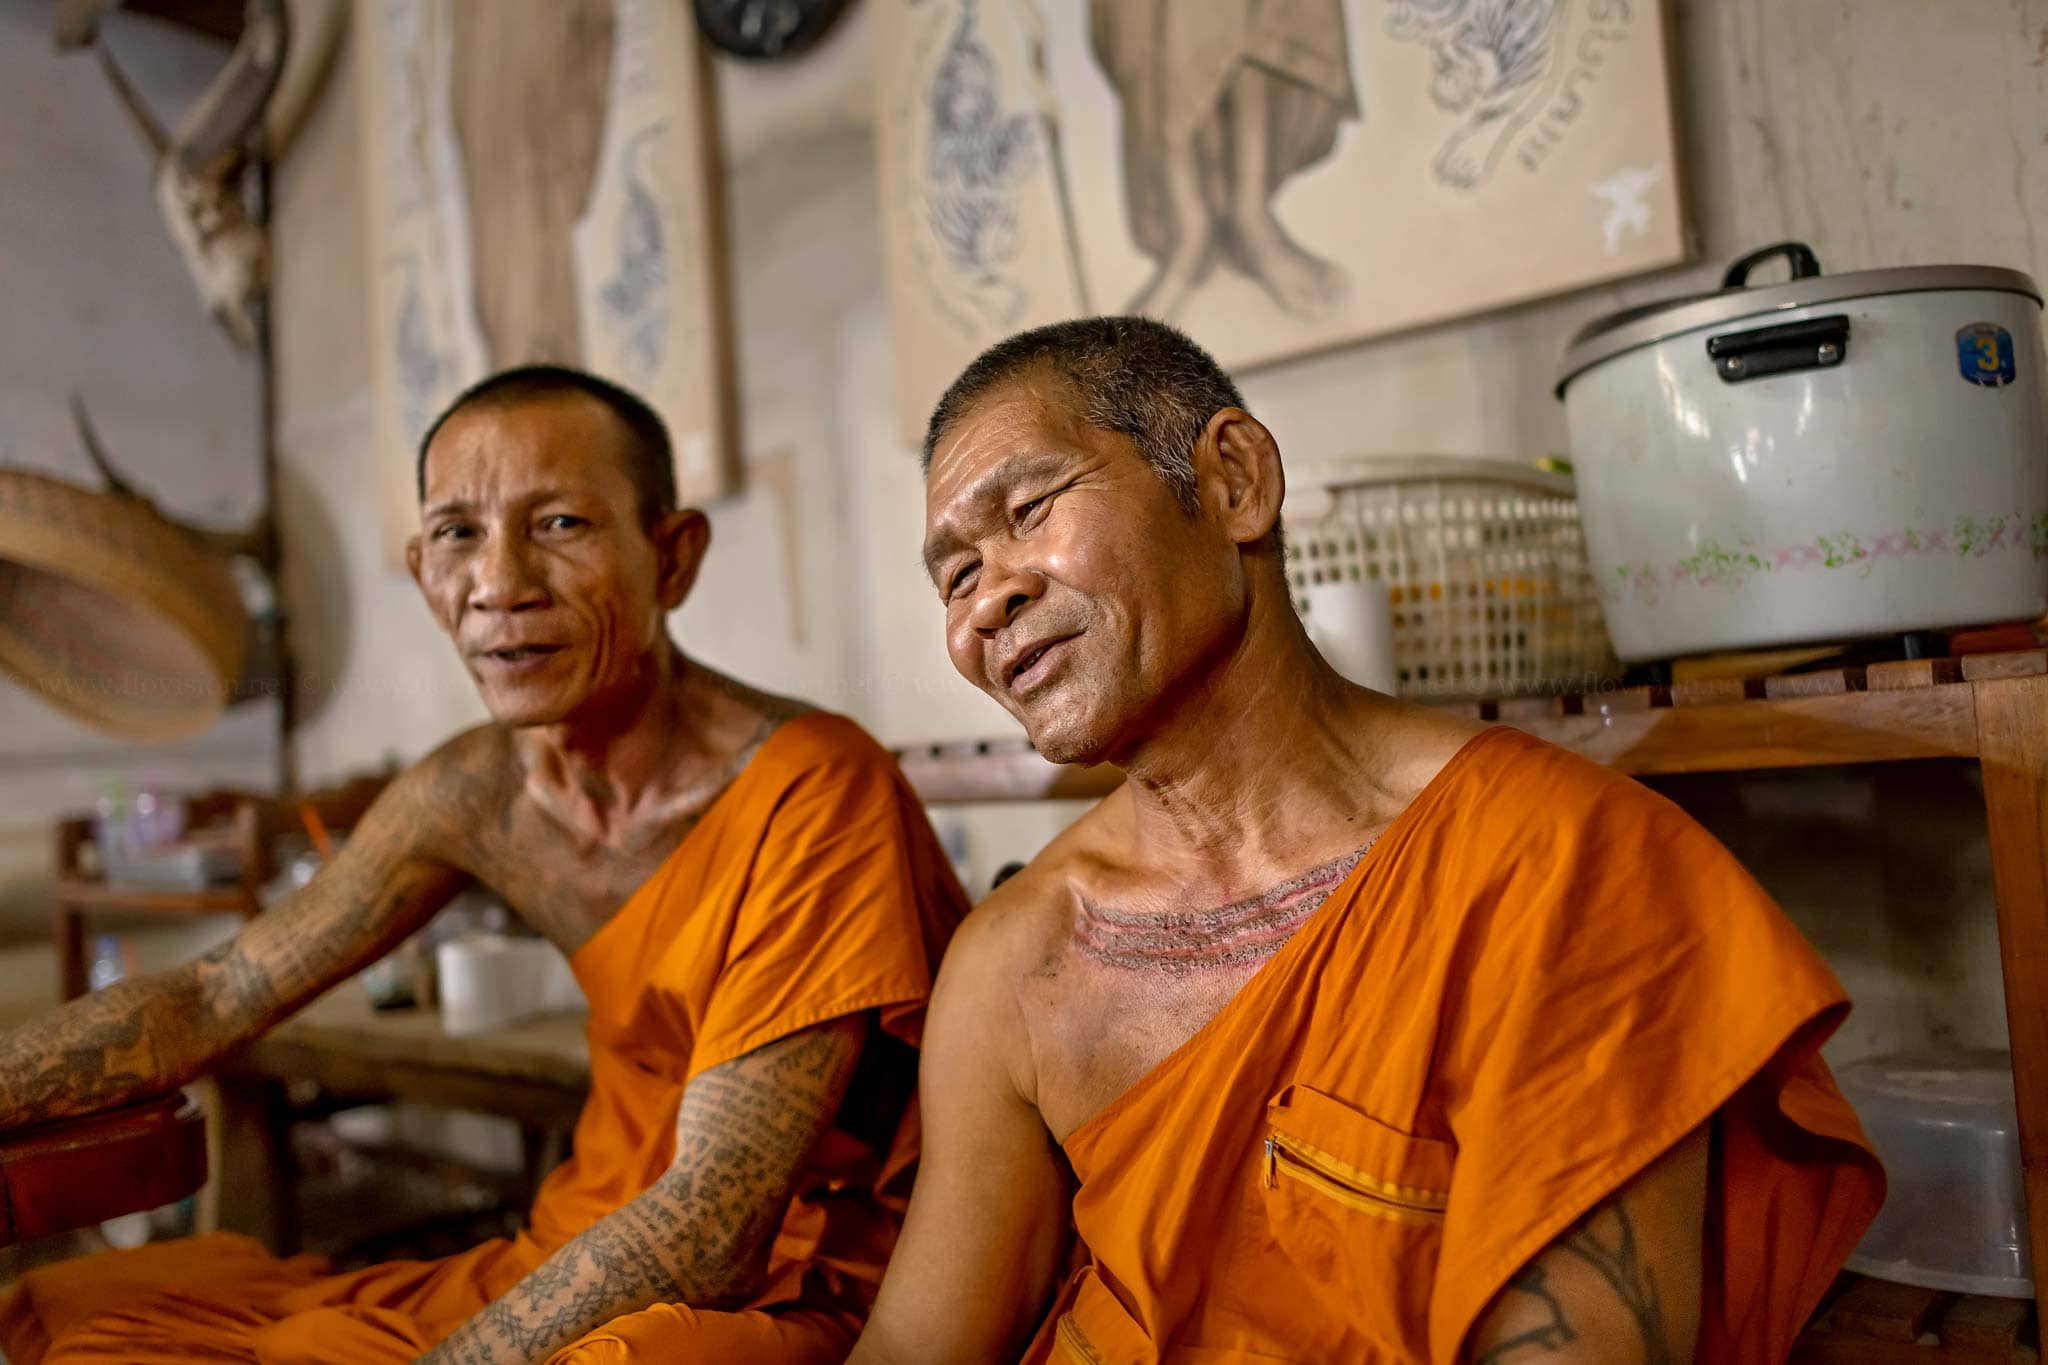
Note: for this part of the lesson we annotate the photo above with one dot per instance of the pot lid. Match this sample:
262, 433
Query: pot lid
1647, 324
1969, 1079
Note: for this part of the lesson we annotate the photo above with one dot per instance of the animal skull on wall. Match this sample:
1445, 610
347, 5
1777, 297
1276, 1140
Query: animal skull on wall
263, 92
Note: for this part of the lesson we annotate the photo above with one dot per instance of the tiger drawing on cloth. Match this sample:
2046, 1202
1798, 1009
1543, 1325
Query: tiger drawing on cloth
1491, 59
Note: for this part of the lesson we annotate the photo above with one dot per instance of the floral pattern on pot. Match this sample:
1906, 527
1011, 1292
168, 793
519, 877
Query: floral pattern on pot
1727, 568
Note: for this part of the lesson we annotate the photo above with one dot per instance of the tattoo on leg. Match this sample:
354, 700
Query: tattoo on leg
1549, 1336
1606, 1240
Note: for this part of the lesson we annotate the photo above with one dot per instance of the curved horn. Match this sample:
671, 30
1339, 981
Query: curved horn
98, 452
78, 22
317, 26
258, 541
233, 103
145, 122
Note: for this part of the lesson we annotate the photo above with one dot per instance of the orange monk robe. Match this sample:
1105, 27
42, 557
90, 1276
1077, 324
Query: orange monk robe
811, 889
1540, 979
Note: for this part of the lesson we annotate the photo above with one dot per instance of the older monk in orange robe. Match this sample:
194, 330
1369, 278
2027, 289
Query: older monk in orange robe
1352, 1030
750, 897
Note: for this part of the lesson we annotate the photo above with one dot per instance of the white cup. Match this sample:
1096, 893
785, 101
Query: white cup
1352, 622
488, 981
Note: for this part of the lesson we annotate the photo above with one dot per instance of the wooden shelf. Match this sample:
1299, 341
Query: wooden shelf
83, 894
1917, 708
1990, 707
1871, 1322
999, 770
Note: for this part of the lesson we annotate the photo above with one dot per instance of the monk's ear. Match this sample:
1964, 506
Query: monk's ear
680, 541
1240, 462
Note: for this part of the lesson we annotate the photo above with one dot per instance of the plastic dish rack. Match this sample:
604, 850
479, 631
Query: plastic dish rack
1483, 564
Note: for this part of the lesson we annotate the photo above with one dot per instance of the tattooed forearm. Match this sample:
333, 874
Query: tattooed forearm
619, 1266
1549, 1333
1606, 1241
149, 1035
105, 1049
700, 1235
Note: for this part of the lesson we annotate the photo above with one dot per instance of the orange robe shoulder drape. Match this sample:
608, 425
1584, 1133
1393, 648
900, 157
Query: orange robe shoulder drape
812, 889
1540, 979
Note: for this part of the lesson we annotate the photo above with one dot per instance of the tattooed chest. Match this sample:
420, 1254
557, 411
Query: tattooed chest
1131, 984
565, 892
1184, 941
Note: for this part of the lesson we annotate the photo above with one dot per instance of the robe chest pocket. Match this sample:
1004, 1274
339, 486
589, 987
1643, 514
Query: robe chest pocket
1358, 1207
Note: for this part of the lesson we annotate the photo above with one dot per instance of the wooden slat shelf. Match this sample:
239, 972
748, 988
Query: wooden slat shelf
1913, 708
1990, 707
1870, 1322
97, 895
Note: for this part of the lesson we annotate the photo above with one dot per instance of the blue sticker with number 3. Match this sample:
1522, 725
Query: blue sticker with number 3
1984, 354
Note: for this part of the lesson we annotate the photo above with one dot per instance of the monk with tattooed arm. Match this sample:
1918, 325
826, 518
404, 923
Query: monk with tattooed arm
1348, 1030
749, 895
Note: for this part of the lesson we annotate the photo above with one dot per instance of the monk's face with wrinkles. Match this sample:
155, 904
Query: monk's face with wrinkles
1078, 592
535, 557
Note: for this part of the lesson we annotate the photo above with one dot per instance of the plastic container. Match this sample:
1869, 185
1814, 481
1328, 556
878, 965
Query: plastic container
174, 867
1947, 1129
109, 962
1482, 565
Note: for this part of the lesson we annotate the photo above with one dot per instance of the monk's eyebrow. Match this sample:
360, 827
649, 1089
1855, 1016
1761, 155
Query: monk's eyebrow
990, 488
454, 507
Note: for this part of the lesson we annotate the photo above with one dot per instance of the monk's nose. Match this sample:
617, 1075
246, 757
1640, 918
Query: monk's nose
504, 578
1000, 594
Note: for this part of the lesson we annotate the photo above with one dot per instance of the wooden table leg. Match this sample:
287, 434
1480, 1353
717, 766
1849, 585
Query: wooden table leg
70, 942
256, 1177
2012, 745
542, 1147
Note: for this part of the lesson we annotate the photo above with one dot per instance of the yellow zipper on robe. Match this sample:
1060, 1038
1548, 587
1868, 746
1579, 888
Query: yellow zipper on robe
1075, 1342
1326, 1175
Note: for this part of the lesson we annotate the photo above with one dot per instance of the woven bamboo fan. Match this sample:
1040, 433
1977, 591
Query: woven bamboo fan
111, 612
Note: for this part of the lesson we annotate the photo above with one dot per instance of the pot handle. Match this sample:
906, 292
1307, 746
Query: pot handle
1798, 255
1811, 344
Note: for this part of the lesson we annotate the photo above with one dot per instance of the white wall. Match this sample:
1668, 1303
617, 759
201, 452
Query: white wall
1884, 132
96, 301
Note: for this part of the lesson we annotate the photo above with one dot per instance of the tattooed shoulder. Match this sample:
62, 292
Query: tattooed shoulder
1541, 1316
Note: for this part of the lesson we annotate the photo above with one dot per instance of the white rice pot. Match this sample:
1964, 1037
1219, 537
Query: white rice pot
1838, 456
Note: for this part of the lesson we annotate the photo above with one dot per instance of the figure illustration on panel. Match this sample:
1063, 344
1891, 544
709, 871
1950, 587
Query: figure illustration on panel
1221, 103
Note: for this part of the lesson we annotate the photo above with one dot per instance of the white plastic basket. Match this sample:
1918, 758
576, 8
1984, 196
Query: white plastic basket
1483, 563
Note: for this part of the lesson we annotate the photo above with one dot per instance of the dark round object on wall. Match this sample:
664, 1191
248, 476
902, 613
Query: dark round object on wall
766, 30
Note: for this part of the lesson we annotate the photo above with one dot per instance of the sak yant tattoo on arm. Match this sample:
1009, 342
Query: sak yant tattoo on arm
700, 1235
1605, 1242
102, 1050
1548, 1334
152, 1034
